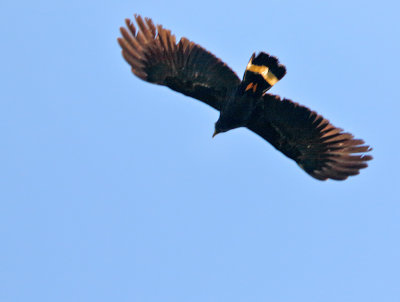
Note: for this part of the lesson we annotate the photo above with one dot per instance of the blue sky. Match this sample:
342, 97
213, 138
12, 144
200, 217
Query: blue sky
113, 190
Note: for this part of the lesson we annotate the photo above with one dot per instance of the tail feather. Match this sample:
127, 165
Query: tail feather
262, 72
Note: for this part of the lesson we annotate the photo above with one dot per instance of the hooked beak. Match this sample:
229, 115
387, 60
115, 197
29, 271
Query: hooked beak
215, 133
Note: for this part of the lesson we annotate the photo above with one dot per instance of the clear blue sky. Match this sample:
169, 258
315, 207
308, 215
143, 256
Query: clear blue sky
111, 189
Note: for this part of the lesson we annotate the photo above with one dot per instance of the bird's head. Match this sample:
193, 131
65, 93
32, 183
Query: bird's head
219, 128
215, 132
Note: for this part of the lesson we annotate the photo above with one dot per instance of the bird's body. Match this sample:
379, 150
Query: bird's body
318, 147
240, 106
236, 112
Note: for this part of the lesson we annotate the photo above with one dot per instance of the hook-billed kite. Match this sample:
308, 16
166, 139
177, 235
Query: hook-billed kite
318, 147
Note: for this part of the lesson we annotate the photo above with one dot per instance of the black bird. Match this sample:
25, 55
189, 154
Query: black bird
318, 147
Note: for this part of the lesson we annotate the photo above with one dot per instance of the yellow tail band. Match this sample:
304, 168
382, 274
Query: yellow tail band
264, 72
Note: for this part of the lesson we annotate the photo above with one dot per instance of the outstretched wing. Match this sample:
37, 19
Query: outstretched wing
184, 67
318, 147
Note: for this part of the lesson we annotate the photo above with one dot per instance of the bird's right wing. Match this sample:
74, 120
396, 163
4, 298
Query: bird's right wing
318, 147
185, 67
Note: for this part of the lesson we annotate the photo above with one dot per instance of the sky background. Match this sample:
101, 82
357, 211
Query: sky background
111, 189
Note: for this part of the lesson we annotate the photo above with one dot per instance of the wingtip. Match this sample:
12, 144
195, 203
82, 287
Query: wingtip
367, 157
138, 18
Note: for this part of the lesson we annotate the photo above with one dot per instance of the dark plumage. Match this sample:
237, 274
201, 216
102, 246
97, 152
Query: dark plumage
318, 147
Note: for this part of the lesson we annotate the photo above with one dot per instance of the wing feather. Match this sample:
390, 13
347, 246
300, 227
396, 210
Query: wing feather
321, 149
186, 67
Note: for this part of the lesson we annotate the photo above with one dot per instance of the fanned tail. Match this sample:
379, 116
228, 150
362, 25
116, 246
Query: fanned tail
262, 72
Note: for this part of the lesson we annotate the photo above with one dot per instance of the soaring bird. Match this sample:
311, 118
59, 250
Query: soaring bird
318, 147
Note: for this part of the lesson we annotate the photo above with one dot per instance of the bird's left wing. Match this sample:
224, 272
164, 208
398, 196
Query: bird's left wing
185, 66
318, 147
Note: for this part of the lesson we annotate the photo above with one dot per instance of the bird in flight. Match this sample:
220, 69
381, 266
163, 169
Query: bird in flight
319, 148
